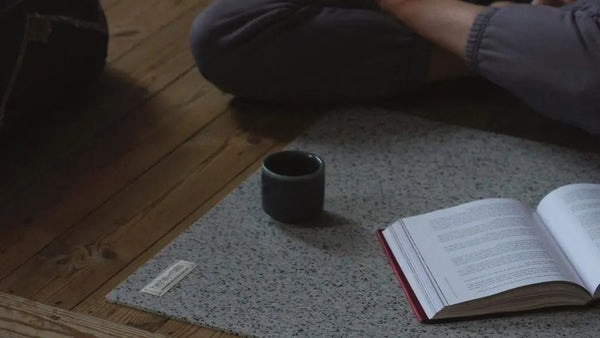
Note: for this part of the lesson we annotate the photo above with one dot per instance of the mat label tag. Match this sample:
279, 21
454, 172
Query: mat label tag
168, 278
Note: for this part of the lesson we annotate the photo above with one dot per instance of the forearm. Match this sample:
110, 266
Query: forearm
444, 22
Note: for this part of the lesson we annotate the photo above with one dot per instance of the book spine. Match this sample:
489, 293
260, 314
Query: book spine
408, 291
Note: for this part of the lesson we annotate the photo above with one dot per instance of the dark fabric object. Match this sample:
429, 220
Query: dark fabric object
52, 51
307, 50
347, 50
549, 57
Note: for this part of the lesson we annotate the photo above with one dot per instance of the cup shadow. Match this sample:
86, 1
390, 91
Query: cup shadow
326, 219
331, 232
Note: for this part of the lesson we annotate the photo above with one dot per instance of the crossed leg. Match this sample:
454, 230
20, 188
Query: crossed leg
314, 51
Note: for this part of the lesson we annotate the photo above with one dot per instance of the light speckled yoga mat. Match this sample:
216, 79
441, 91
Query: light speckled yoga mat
331, 279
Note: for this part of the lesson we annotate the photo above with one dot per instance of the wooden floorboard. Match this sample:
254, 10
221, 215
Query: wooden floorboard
97, 305
24, 318
132, 22
110, 163
32, 149
91, 240
65, 177
49, 192
70, 267
175, 329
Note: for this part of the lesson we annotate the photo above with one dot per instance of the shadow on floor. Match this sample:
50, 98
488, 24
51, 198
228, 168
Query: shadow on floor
469, 102
477, 103
32, 144
279, 121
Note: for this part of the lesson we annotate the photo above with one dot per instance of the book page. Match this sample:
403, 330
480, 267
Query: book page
413, 268
485, 247
572, 214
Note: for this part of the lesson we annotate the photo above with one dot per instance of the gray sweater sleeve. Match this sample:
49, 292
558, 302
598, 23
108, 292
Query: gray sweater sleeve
549, 57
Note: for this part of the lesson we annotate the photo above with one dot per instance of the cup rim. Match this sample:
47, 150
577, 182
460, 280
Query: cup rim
317, 172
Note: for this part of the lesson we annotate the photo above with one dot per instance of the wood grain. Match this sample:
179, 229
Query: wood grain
32, 149
121, 140
108, 164
24, 318
97, 305
176, 329
44, 193
85, 200
131, 22
90, 240
69, 267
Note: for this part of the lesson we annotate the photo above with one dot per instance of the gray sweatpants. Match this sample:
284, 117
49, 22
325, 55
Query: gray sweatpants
348, 50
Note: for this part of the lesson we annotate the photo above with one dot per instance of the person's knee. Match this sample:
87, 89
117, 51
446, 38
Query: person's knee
212, 51
224, 43
204, 43
584, 104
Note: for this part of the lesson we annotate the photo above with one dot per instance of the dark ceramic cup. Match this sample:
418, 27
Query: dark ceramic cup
293, 186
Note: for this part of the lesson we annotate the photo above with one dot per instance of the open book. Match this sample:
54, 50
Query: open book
499, 255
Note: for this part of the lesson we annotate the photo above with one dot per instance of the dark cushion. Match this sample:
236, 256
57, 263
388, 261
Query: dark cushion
52, 51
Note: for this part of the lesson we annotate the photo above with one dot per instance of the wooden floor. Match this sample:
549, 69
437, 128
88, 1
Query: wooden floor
88, 198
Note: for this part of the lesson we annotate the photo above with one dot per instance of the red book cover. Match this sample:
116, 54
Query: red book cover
410, 295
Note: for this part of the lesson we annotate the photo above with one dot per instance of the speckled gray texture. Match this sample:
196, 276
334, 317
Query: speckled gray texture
331, 278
